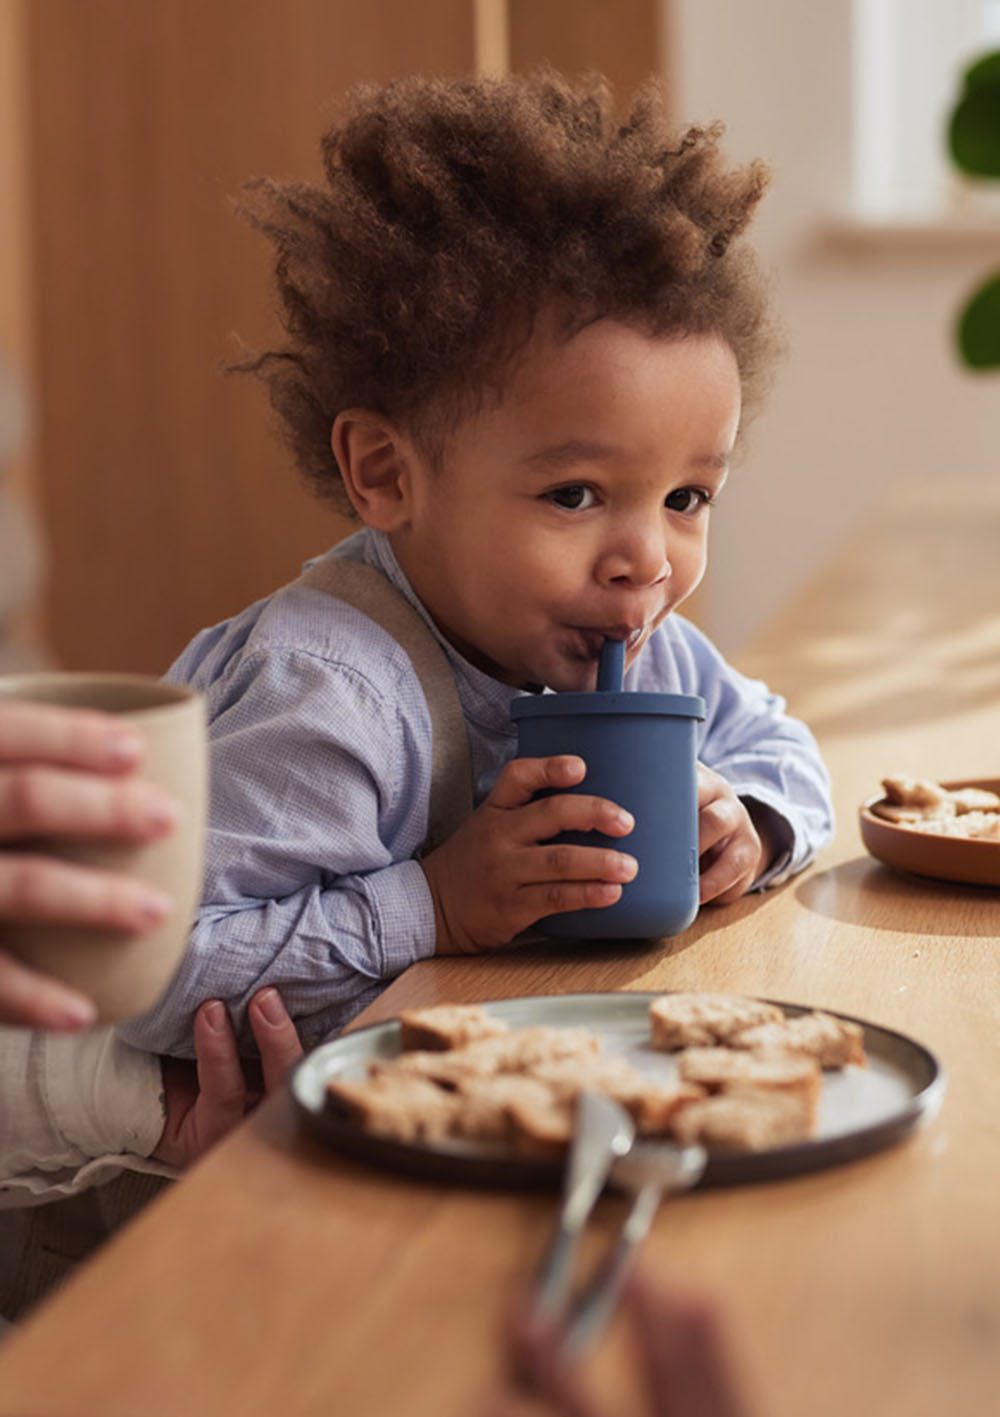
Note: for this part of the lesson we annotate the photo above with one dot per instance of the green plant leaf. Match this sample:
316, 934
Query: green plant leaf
974, 130
978, 330
985, 70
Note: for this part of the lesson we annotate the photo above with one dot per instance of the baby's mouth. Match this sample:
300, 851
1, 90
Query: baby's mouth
593, 641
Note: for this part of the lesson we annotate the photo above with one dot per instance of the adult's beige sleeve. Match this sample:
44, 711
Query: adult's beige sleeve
75, 1111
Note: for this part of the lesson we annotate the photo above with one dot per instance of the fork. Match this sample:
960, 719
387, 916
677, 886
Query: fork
603, 1134
648, 1171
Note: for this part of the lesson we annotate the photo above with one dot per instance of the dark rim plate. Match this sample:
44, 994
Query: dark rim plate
943, 858
863, 1109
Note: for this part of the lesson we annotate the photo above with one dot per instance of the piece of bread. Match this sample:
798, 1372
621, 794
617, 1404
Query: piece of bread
446, 1069
488, 1105
703, 1020
832, 1042
541, 1124
516, 1051
723, 1070
744, 1121
651, 1104
525, 1048
445, 1026
519, 1087
403, 1108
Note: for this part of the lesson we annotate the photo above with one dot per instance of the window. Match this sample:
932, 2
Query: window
908, 56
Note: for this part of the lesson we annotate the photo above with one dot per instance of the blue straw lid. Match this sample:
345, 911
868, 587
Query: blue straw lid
571, 704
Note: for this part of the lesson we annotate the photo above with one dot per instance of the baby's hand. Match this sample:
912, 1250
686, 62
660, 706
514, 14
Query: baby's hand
501, 872
733, 852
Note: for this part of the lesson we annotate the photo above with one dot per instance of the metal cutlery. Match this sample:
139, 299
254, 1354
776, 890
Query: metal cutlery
649, 1170
604, 1134
604, 1148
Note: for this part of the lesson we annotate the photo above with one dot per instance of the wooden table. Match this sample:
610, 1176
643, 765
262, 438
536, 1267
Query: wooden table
280, 1279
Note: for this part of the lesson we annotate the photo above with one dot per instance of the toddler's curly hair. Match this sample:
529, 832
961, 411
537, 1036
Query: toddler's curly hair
456, 210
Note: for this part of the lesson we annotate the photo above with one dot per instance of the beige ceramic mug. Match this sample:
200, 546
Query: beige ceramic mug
126, 974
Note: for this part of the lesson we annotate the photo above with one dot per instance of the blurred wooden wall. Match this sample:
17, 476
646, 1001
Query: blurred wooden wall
166, 500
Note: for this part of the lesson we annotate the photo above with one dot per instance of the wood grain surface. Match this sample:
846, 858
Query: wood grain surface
279, 1278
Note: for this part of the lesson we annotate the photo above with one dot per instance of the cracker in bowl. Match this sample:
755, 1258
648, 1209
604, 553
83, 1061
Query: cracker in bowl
921, 805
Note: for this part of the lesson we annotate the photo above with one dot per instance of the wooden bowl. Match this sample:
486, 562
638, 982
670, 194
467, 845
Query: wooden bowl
947, 858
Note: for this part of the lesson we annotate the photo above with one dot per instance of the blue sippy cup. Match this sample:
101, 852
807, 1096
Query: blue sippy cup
641, 753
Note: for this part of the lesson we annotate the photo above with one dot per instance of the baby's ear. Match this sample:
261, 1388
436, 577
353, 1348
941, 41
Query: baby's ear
374, 460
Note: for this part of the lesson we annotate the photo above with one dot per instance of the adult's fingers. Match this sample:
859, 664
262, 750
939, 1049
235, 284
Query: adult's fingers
44, 889
538, 1367
221, 1085
70, 737
683, 1348
47, 801
276, 1037
32, 1000
521, 778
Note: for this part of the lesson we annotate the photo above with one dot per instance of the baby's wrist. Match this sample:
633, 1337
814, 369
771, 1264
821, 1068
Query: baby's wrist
444, 943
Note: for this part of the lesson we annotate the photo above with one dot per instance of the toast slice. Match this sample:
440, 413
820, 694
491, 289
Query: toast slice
745, 1121
489, 1106
401, 1108
832, 1042
446, 1026
651, 1104
518, 1051
704, 1020
722, 1070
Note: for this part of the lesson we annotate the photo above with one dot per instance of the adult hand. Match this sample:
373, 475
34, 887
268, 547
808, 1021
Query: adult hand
500, 872
68, 772
683, 1354
206, 1099
732, 849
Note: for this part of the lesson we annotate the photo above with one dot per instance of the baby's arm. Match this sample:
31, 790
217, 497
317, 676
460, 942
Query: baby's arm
774, 768
761, 777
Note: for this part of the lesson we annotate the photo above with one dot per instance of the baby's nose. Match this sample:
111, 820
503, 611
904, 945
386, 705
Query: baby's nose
638, 556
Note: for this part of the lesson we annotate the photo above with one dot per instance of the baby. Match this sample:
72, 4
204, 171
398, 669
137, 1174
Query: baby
523, 338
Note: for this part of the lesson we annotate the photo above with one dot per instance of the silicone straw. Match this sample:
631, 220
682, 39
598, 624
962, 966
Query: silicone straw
611, 667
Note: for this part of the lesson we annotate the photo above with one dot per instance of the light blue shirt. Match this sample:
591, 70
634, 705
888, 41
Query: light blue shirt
321, 765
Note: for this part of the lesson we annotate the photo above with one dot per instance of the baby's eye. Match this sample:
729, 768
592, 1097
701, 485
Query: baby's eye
574, 498
688, 500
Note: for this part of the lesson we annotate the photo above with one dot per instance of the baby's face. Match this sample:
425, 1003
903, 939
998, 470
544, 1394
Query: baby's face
577, 509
